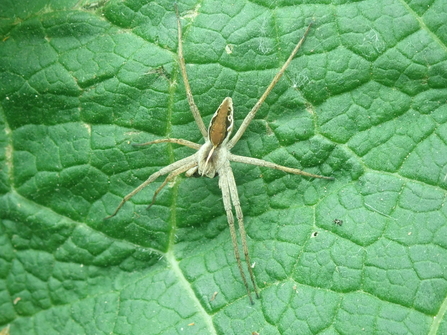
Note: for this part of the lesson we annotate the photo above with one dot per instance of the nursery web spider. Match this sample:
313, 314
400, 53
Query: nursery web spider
213, 157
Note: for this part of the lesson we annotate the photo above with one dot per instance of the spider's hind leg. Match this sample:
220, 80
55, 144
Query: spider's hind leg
192, 105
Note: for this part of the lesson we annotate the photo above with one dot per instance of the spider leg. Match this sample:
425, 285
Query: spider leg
188, 161
192, 105
180, 141
263, 163
170, 177
258, 104
224, 185
240, 218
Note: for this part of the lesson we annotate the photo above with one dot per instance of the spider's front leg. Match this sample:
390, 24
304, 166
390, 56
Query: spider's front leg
229, 195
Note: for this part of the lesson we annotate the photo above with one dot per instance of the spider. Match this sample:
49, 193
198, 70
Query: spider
213, 157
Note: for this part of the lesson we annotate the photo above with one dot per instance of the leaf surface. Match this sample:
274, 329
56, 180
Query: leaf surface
363, 101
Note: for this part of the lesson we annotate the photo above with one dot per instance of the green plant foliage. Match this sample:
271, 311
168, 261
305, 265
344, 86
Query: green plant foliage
363, 101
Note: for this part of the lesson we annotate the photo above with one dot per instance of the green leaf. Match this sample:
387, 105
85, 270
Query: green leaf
363, 101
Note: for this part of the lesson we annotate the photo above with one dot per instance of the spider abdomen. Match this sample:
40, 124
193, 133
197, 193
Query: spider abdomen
221, 124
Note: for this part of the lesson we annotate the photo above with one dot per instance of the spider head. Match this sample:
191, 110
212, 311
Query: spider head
211, 159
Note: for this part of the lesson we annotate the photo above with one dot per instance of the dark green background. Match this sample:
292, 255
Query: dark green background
363, 101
